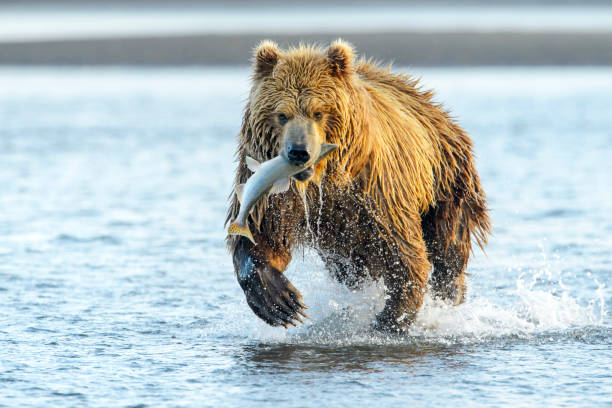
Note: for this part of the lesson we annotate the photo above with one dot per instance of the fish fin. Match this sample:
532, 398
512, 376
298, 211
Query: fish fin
237, 229
252, 164
239, 192
280, 186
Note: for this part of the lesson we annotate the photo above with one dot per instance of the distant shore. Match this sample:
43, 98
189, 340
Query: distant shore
404, 48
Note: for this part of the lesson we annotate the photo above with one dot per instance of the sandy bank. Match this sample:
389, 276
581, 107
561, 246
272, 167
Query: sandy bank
404, 48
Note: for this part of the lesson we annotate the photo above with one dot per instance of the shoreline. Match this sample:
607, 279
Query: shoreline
408, 48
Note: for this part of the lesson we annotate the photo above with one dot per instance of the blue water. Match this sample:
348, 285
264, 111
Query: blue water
116, 288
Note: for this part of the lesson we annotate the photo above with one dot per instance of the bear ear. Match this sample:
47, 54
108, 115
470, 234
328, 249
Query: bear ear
265, 58
340, 58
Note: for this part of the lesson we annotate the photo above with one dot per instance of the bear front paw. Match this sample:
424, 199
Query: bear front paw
271, 296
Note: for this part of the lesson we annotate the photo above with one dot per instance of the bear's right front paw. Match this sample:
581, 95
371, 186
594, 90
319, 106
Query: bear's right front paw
270, 295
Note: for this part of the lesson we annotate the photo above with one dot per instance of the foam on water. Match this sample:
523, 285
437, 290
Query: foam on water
538, 304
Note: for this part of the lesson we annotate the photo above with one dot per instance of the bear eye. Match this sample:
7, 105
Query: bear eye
317, 116
282, 118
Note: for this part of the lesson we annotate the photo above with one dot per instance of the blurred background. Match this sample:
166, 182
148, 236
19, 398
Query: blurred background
118, 124
412, 32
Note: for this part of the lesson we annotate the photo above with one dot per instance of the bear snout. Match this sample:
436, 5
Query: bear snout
298, 155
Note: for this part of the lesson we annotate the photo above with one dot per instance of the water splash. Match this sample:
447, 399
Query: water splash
302, 192
320, 186
535, 305
597, 306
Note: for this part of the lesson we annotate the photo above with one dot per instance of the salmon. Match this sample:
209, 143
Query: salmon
273, 177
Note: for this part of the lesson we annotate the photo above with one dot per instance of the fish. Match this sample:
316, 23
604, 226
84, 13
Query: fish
271, 176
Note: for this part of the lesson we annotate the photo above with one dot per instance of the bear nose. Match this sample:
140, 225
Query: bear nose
298, 155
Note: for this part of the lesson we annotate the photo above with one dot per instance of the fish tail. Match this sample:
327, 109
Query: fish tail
236, 229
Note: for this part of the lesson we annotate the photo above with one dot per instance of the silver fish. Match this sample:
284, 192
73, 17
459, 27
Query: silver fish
273, 176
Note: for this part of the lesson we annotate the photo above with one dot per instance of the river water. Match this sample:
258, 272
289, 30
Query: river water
23, 21
116, 288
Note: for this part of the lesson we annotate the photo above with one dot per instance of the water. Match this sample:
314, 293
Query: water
27, 22
117, 290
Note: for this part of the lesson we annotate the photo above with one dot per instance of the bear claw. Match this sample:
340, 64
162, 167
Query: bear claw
271, 296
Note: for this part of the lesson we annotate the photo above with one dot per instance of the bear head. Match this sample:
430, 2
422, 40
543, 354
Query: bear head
299, 99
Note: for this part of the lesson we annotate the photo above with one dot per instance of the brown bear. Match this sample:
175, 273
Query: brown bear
398, 199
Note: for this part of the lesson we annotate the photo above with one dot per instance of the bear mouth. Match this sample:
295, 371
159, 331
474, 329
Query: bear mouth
304, 175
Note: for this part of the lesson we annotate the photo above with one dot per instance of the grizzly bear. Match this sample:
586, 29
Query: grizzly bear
398, 199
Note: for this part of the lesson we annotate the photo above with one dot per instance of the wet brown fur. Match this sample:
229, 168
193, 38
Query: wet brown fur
399, 196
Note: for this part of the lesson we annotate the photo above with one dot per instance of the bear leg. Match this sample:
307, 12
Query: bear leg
268, 292
351, 272
448, 253
447, 280
405, 279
